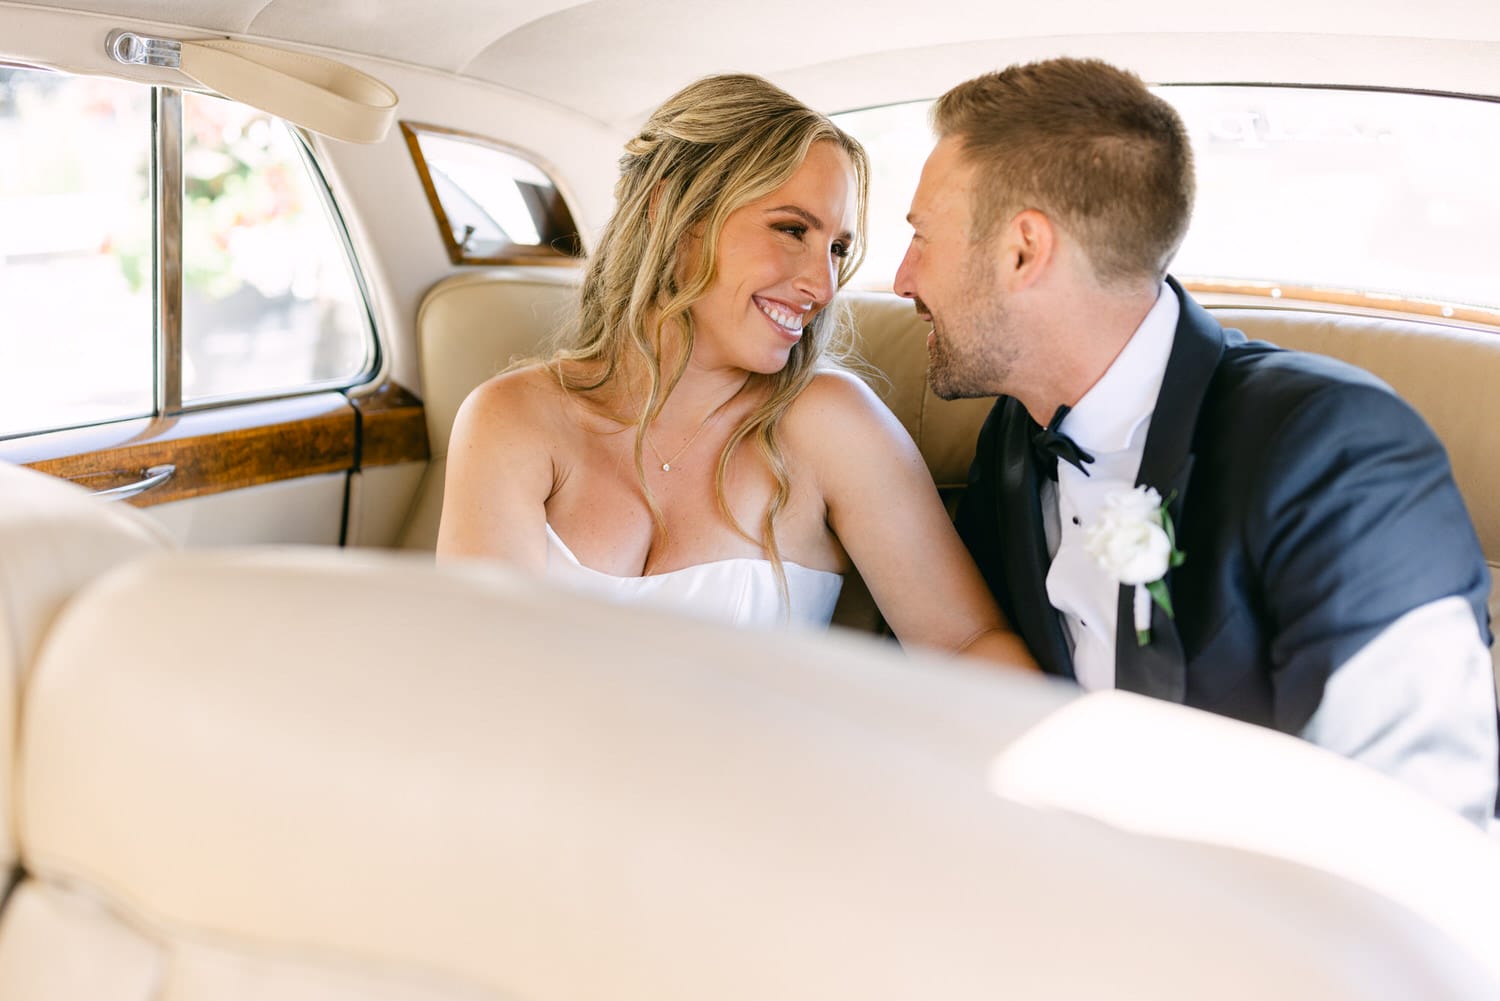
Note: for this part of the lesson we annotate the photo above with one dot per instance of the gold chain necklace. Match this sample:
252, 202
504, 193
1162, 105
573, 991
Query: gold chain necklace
666, 464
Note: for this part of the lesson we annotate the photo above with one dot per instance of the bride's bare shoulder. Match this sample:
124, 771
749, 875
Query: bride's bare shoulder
523, 407
838, 401
539, 392
529, 386
839, 432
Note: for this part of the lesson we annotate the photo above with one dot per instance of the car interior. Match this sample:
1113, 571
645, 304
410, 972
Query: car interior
255, 744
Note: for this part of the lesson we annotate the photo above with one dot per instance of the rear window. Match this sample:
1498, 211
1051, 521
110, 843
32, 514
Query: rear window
1389, 196
493, 204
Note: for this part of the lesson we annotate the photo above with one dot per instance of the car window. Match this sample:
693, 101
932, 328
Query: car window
269, 300
271, 303
492, 204
75, 251
1374, 192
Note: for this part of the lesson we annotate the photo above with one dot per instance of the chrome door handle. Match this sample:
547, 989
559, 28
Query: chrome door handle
155, 476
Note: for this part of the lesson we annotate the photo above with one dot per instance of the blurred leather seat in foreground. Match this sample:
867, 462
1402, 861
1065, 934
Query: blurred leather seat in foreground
313, 773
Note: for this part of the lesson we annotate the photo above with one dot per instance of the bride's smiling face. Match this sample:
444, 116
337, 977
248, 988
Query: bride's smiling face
777, 265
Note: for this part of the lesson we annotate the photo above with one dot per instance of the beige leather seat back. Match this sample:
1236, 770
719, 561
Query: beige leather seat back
360, 776
54, 539
470, 327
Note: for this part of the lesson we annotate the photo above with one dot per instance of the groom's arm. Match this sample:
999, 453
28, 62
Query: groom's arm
1375, 585
1413, 703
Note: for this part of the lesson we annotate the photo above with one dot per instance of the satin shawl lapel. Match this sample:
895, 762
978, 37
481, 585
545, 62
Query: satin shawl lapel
1026, 557
1159, 668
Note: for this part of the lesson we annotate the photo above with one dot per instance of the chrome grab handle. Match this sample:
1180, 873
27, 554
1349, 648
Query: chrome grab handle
155, 476
143, 50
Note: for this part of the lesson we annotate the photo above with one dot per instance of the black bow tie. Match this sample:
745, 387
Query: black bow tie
1049, 444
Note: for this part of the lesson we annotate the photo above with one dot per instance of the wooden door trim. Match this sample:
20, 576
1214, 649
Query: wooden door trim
225, 448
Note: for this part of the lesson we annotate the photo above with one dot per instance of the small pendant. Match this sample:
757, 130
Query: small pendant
666, 467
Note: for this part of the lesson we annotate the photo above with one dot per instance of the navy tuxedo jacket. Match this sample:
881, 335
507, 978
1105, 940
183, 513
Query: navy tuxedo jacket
1313, 505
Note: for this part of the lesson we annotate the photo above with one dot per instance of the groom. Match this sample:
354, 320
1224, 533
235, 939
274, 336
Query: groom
1160, 505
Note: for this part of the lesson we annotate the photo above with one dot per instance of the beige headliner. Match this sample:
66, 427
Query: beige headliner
612, 59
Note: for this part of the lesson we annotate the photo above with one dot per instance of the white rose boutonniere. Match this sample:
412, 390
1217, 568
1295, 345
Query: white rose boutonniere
1134, 542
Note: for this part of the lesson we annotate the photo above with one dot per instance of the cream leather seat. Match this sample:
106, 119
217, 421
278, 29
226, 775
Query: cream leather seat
54, 539
312, 774
472, 326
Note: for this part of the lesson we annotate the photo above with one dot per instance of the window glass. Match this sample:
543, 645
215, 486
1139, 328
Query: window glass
269, 298
491, 204
1366, 191
1377, 192
897, 139
75, 251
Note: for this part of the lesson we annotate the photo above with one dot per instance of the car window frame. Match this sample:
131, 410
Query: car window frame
516, 253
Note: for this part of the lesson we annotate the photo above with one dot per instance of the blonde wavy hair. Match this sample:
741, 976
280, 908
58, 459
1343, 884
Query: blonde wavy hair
717, 145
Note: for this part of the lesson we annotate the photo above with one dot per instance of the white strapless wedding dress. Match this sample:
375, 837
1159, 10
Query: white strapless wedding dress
741, 592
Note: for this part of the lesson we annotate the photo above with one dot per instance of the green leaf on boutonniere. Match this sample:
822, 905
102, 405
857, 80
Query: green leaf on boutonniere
1158, 589
1142, 637
1177, 556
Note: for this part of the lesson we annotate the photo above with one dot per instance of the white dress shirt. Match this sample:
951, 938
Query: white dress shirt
1417, 702
1110, 423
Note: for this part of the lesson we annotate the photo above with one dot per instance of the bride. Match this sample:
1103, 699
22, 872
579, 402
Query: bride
700, 443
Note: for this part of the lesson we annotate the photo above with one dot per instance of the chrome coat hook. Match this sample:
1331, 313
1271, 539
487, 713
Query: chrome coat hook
143, 50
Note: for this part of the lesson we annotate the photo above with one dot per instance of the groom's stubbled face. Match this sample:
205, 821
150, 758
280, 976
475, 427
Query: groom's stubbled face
950, 277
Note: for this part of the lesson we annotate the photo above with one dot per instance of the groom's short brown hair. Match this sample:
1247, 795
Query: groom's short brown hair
1088, 145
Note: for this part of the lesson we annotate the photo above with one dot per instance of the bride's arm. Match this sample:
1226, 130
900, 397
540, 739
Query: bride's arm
499, 474
887, 515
